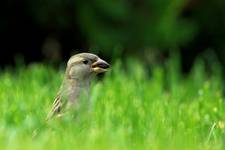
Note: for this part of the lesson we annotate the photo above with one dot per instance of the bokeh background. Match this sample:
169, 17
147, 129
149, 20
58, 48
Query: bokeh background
148, 29
165, 89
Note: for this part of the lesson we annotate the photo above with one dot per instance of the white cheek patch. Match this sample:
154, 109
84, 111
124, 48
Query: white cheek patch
76, 72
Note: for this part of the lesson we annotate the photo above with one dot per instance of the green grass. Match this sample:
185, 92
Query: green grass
132, 109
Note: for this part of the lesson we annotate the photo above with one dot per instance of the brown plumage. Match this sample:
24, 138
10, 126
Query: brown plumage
80, 69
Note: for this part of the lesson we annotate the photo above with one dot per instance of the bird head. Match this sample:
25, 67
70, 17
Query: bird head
84, 65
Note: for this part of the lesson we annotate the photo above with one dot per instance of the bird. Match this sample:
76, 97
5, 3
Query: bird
75, 86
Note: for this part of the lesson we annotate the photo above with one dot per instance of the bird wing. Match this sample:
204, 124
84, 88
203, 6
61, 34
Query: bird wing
56, 106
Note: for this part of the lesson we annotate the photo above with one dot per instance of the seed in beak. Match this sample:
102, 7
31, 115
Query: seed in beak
100, 66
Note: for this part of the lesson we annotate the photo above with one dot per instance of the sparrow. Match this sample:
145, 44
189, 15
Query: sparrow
75, 86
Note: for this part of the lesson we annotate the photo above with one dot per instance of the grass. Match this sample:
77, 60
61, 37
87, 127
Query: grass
132, 109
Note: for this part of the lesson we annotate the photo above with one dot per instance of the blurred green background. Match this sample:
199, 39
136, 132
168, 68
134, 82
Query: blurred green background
164, 90
150, 29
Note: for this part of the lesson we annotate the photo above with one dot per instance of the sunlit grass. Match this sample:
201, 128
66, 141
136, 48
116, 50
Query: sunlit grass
132, 109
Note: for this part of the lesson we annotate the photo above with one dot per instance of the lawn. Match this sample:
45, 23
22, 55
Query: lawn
135, 106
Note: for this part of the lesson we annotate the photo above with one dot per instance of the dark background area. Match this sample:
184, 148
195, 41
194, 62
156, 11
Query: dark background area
149, 29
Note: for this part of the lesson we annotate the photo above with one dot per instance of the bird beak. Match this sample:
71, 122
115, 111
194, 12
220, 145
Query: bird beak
100, 66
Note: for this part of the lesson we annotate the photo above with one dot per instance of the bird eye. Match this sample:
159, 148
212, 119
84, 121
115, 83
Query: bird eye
85, 62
